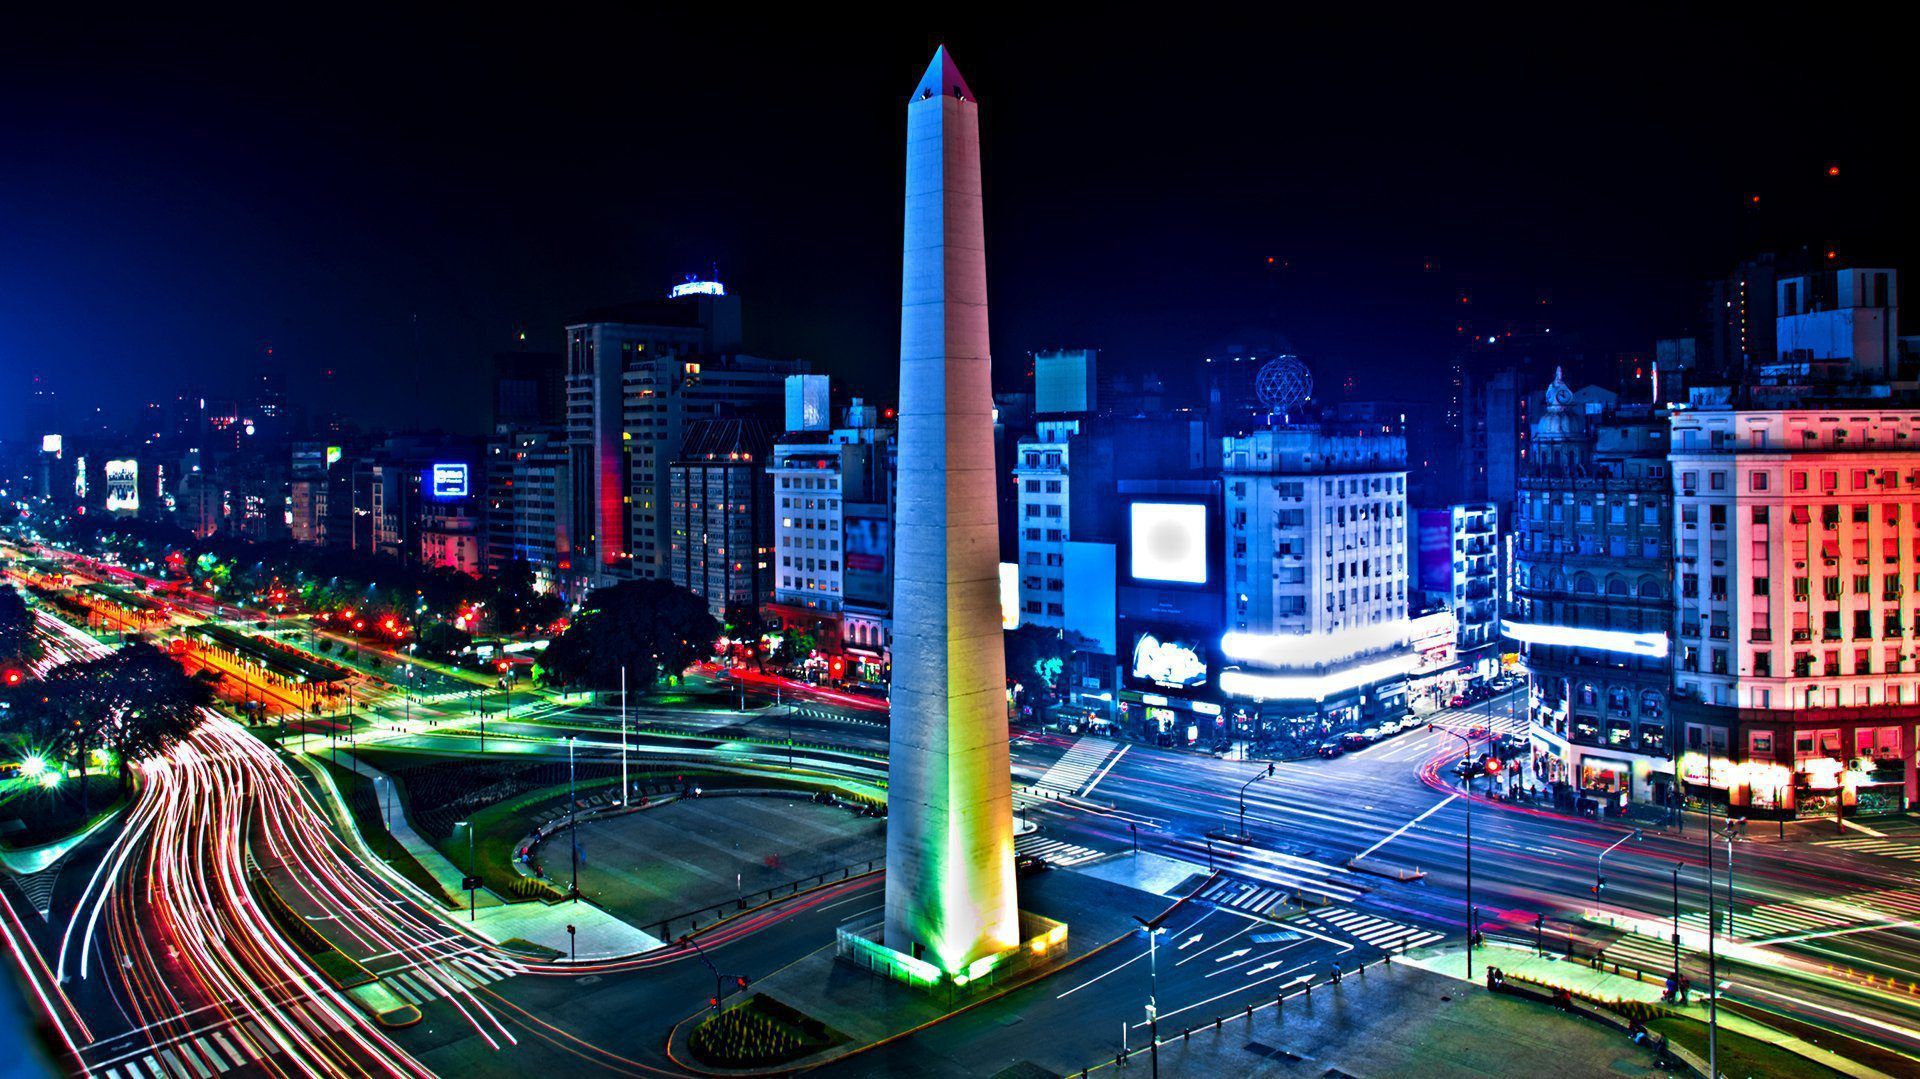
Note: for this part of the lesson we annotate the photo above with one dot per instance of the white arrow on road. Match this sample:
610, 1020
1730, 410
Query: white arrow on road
1263, 968
1233, 955
1195, 939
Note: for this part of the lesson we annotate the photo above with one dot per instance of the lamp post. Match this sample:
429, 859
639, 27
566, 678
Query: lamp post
573, 824
1599, 881
1676, 921
473, 867
1466, 781
1154, 930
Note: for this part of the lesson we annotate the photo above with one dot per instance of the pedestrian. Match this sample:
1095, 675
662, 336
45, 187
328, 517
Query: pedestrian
1686, 988
1673, 988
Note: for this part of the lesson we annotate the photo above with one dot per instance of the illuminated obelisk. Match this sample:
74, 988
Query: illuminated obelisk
950, 883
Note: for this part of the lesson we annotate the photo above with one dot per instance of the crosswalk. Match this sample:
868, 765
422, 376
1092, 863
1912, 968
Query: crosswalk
1383, 933
1056, 851
237, 1044
1799, 918
1905, 849
427, 982
1074, 770
1304, 877
1265, 901
1651, 954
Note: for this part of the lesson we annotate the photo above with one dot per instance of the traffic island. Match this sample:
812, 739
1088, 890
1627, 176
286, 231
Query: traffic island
868, 1011
1042, 940
760, 1032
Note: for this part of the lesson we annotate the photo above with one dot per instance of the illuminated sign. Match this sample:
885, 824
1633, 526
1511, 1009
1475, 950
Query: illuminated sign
1651, 645
1009, 595
1175, 664
80, 476
1168, 542
692, 287
1312, 649
333, 456
52, 444
867, 577
123, 485
449, 480
1312, 687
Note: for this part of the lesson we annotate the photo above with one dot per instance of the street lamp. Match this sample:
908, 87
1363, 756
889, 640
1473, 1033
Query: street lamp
1676, 921
1154, 929
1244, 837
473, 867
573, 824
1599, 881
1466, 781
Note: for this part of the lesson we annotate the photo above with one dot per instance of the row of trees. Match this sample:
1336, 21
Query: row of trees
321, 578
18, 645
653, 630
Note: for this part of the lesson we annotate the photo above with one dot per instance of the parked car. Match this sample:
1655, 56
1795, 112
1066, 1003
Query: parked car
1331, 748
1354, 740
1458, 700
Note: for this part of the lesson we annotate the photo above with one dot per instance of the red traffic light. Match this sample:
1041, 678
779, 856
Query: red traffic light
1494, 766
13, 676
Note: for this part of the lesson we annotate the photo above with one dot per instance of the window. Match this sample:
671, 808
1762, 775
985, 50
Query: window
1756, 481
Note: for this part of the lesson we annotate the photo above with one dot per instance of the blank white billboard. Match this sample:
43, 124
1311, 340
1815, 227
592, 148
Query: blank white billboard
1169, 542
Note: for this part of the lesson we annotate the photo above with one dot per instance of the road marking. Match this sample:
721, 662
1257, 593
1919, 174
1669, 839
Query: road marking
1248, 928
1228, 993
1862, 828
1097, 977
1055, 851
1402, 829
1235, 954
1088, 789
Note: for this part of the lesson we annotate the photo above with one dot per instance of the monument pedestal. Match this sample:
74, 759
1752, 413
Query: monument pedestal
1042, 941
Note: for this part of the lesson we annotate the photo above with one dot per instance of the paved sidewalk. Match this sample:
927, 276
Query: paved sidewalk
599, 935
1604, 986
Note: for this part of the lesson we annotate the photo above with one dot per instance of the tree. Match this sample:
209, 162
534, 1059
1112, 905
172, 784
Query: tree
136, 702
1036, 658
653, 629
18, 644
794, 647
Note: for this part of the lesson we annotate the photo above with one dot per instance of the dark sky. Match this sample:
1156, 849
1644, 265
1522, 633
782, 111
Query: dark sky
395, 197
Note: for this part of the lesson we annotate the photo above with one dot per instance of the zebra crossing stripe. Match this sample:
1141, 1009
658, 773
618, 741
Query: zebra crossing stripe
173, 1064
232, 1053
153, 1066
212, 1053
193, 1058
1382, 933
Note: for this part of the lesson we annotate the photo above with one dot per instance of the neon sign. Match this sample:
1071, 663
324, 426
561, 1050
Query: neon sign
697, 288
449, 480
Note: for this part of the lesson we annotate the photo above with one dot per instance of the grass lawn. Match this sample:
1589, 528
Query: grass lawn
1741, 1057
363, 801
46, 815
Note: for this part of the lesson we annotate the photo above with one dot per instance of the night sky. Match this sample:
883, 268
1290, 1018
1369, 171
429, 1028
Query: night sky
396, 199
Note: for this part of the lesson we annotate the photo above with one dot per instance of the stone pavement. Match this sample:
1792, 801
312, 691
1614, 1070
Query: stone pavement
1599, 984
1399, 1020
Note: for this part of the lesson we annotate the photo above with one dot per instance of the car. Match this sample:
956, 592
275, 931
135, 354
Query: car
1331, 748
1458, 700
1374, 733
1354, 740
1026, 865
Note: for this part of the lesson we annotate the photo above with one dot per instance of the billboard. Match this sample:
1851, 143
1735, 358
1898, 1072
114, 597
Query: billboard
1168, 542
1167, 657
1435, 538
867, 562
1009, 595
123, 485
448, 480
52, 444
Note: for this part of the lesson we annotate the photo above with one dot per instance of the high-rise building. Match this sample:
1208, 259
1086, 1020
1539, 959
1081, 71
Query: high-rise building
1316, 530
721, 516
529, 389
529, 505
833, 548
1593, 599
637, 377
1458, 560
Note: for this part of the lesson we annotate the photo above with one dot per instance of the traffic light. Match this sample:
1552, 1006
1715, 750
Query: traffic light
12, 676
1494, 766
740, 982
1599, 885
713, 1002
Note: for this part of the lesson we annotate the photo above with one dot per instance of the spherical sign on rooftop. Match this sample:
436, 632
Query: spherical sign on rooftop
1283, 383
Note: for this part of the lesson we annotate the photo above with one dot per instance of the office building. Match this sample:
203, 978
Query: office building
720, 515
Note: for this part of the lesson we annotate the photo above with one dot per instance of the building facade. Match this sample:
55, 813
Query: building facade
720, 514
1316, 529
1592, 603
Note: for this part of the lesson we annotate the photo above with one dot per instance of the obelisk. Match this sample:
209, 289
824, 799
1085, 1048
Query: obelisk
950, 883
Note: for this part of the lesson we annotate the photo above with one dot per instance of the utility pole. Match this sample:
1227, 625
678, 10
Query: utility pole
573, 824
624, 787
1153, 990
1466, 781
